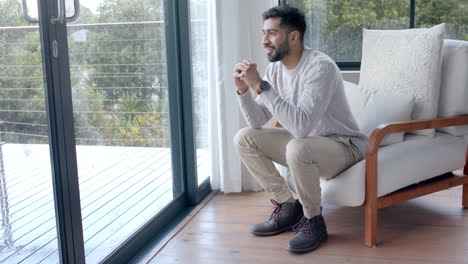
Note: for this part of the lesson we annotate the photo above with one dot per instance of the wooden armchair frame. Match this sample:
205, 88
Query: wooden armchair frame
372, 202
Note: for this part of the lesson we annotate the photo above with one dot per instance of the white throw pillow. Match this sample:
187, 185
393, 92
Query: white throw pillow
453, 99
406, 61
357, 99
386, 107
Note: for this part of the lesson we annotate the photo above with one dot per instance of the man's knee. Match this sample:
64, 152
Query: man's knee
242, 137
298, 150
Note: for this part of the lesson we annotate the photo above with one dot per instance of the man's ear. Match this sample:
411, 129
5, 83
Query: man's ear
294, 36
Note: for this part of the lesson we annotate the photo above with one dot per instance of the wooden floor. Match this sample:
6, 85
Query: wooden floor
121, 188
431, 229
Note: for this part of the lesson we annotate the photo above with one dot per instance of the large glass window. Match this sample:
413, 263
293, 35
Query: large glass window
335, 26
452, 12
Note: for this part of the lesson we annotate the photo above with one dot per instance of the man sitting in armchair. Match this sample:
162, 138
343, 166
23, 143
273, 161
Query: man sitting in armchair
303, 90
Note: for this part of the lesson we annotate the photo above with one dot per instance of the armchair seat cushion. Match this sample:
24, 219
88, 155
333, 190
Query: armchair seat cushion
416, 159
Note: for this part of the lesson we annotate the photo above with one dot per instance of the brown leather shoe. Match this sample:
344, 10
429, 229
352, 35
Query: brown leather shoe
285, 216
310, 233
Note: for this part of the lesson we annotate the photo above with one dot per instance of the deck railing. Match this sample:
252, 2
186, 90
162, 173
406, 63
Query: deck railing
118, 78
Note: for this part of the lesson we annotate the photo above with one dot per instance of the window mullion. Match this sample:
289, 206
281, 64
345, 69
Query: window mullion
412, 12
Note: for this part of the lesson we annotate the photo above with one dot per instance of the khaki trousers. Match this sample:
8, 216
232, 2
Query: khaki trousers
308, 159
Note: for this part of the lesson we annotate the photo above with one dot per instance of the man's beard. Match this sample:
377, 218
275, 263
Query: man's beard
279, 52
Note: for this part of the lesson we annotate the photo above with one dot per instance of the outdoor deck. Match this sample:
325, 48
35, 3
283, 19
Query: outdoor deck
121, 188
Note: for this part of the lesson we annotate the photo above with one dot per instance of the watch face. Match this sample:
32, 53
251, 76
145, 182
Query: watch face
265, 85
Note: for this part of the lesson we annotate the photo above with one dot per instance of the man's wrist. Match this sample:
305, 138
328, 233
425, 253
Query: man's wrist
241, 92
256, 86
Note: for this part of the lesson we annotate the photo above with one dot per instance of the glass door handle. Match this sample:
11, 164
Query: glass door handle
26, 15
76, 9
61, 18
60, 13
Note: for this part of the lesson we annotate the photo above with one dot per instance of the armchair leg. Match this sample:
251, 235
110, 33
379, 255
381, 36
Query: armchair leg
465, 196
370, 225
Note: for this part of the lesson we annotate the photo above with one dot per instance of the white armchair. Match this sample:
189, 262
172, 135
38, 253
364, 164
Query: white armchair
413, 167
419, 164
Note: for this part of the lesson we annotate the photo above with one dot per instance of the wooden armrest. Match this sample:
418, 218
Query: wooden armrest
382, 130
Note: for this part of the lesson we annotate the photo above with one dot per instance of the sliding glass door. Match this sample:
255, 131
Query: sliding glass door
95, 156
122, 122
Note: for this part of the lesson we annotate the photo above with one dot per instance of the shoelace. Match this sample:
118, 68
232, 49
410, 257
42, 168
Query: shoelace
305, 226
278, 210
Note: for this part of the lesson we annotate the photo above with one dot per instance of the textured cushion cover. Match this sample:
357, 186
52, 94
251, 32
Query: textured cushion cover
407, 61
453, 99
416, 159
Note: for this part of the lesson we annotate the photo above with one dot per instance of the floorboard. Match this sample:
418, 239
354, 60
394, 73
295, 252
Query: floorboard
430, 229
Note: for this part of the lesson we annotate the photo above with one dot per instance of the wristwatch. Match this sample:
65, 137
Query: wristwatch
264, 86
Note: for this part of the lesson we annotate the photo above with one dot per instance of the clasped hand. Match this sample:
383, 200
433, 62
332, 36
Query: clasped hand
246, 75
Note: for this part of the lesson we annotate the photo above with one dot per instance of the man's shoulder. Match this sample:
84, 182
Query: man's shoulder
318, 58
317, 63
